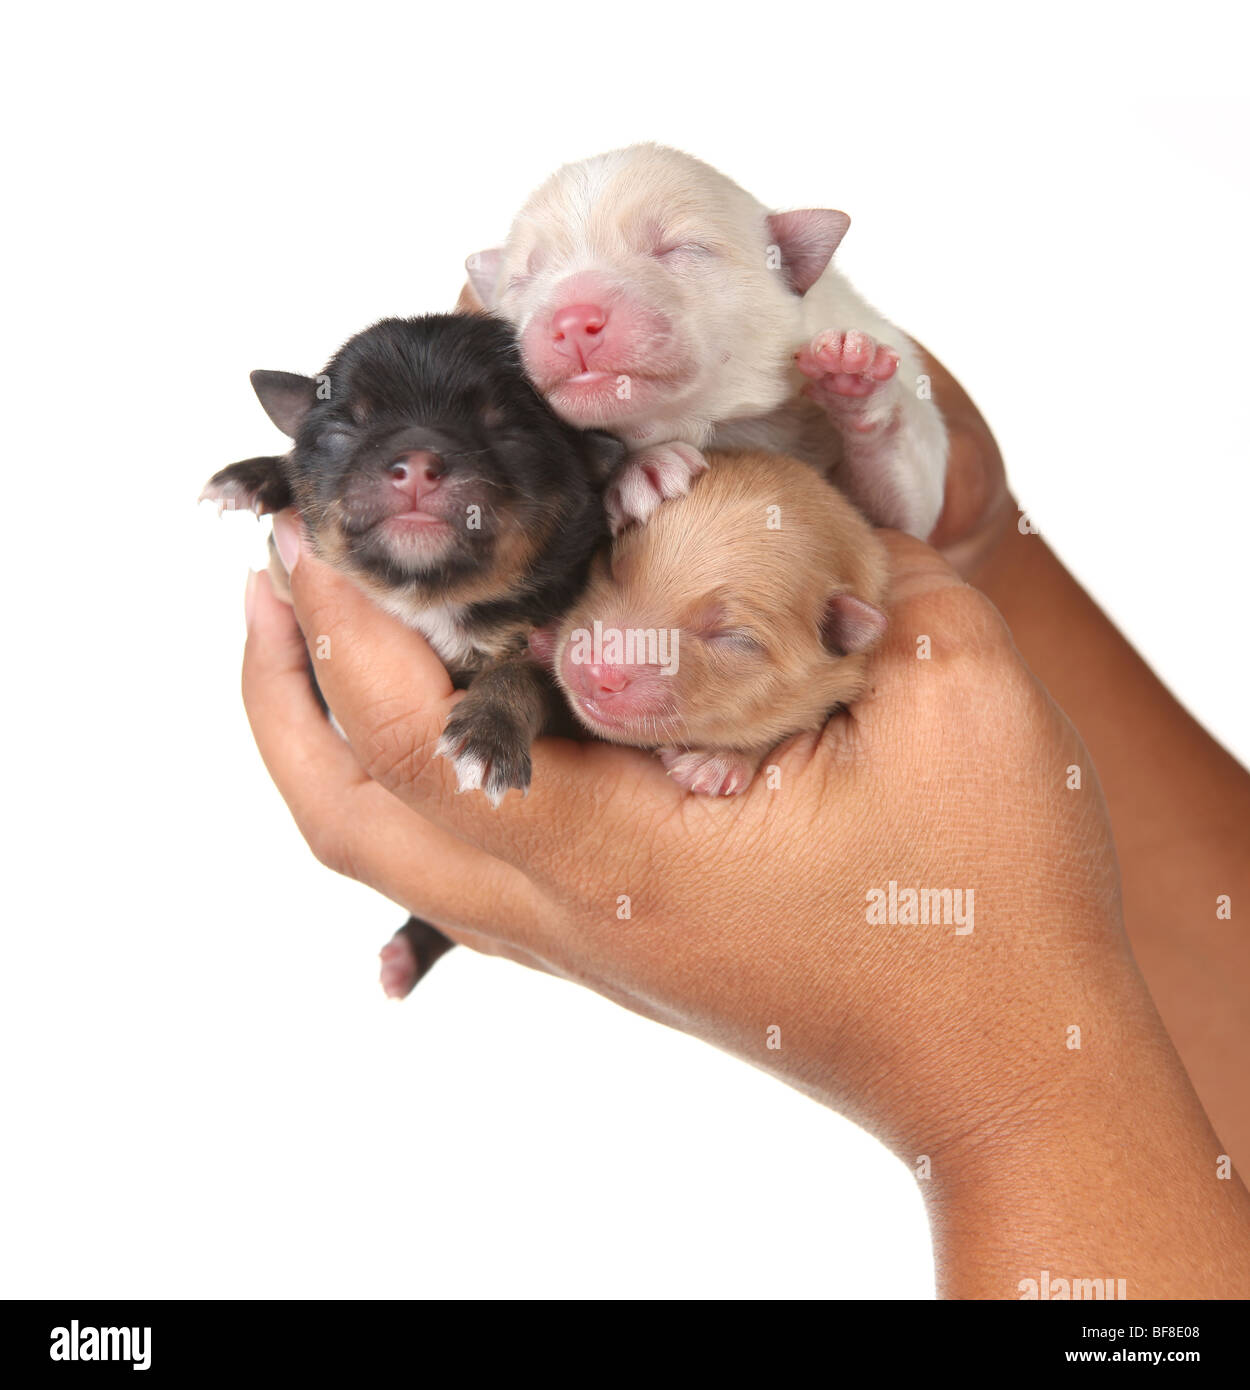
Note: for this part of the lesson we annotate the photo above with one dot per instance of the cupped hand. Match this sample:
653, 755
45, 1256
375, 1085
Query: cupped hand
761, 923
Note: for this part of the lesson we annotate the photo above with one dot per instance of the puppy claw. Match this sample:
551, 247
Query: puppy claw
489, 755
470, 770
646, 479
712, 772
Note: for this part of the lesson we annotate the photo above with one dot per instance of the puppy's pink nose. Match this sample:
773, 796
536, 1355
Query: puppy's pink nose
576, 330
417, 474
604, 679
595, 679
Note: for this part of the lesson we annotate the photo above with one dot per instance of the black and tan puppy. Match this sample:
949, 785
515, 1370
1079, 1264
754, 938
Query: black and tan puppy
427, 468
430, 471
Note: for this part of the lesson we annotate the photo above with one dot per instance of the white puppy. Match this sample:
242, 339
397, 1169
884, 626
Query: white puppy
656, 299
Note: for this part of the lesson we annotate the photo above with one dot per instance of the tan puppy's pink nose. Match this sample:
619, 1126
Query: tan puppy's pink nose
575, 330
596, 679
604, 679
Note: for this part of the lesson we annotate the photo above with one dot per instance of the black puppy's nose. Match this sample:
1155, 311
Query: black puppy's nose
417, 473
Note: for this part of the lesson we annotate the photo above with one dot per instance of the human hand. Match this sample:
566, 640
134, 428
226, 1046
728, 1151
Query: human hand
746, 921
950, 775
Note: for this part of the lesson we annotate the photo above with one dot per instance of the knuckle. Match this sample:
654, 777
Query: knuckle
331, 848
966, 629
971, 671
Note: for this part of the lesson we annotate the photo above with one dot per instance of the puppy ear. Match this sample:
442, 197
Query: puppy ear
850, 624
483, 268
605, 452
255, 484
542, 646
469, 303
807, 240
287, 398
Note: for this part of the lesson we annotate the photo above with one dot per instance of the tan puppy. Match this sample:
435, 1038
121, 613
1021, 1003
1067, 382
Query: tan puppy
738, 615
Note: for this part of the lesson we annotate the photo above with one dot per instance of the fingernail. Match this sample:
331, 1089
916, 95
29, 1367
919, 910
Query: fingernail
286, 536
249, 598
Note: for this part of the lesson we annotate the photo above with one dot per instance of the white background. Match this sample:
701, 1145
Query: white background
203, 1090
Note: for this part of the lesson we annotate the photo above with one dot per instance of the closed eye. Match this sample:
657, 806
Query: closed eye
338, 440
739, 640
682, 250
533, 266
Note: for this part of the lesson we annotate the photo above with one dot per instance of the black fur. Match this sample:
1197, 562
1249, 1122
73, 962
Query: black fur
426, 943
452, 385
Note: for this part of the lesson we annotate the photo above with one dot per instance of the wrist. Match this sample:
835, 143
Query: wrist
1099, 1164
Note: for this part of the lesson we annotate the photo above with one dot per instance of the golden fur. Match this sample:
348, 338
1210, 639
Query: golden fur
759, 545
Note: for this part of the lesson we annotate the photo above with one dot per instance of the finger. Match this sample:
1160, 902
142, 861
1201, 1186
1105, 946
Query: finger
391, 695
288, 724
353, 824
933, 613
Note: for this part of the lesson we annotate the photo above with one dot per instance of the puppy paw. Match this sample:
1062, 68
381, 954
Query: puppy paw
710, 772
647, 478
489, 752
408, 956
399, 970
844, 369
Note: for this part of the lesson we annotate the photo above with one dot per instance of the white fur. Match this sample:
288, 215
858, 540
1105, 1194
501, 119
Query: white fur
230, 496
442, 626
738, 321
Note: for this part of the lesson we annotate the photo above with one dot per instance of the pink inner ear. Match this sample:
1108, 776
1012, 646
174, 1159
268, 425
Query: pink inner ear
807, 240
542, 646
851, 624
483, 268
